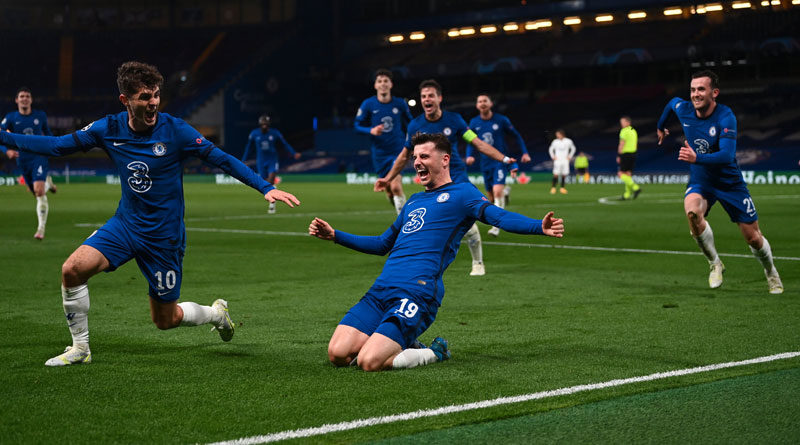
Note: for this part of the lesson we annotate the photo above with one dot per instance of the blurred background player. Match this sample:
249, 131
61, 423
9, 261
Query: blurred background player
492, 128
452, 125
380, 331
385, 119
626, 157
714, 175
34, 167
148, 149
581, 164
264, 141
561, 152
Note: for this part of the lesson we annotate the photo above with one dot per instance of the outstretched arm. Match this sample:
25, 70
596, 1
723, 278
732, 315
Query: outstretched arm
490, 151
517, 223
662, 121
245, 174
48, 145
375, 245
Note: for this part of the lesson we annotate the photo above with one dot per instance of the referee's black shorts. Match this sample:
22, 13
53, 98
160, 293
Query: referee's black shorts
627, 161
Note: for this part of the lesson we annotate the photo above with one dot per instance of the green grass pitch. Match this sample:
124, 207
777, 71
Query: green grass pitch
542, 318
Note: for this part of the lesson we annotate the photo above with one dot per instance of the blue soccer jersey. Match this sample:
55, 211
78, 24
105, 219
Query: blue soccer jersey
493, 131
425, 237
713, 139
33, 123
395, 116
266, 148
150, 167
453, 126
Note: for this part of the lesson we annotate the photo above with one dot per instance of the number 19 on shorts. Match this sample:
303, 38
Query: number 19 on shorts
406, 309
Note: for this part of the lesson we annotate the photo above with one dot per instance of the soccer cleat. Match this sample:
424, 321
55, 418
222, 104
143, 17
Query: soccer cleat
715, 276
774, 282
39, 235
417, 345
477, 269
50, 186
636, 193
271, 209
507, 194
441, 348
225, 326
552, 190
563, 191
71, 356
494, 231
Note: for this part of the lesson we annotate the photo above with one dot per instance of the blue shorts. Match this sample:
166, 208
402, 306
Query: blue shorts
737, 202
494, 176
396, 313
161, 265
34, 170
268, 168
382, 164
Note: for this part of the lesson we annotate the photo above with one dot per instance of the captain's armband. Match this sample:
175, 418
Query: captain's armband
469, 135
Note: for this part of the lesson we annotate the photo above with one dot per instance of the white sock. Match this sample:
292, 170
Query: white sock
500, 202
706, 243
473, 237
399, 202
42, 209
196, 315
76, 309
764, 256
410, 358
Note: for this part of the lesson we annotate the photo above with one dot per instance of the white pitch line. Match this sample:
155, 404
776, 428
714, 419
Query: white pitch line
628, 250
382, 420
491, 243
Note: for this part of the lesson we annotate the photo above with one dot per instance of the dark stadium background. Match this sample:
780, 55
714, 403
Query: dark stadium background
310, 63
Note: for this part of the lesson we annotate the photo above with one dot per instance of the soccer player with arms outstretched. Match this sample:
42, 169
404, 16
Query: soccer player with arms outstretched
381, 330
264, 140
492, 128
452, 125
26, 120
385, 119
148, 149
714, 175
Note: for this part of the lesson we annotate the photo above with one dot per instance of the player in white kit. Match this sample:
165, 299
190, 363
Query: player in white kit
561, 152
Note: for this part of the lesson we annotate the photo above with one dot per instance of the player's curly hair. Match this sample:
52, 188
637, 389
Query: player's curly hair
440, 141
133, 76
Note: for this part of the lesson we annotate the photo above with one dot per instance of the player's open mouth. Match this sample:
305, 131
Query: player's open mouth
423, 174
150, 116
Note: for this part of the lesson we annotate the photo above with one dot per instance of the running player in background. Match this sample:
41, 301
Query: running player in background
148, 149
626, 157
385, 119
380, 332
452, 125
34, 167
582, 167
714, 175
264, 141
492, 128
561, 152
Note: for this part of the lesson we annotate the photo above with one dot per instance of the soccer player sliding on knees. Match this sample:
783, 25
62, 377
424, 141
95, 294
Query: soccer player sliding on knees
380, 332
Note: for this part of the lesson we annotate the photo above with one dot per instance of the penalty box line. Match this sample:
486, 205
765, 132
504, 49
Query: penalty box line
382, 420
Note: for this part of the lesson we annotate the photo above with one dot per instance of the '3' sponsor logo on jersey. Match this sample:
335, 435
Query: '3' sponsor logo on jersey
139, 181
415, 221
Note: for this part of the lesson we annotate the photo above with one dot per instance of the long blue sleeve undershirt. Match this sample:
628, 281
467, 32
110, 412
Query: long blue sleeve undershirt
374, 245
510, 221
68, 144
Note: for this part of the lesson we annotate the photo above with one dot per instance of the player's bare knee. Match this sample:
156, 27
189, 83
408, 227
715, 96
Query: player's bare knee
164, 323
370, 363
70, 273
